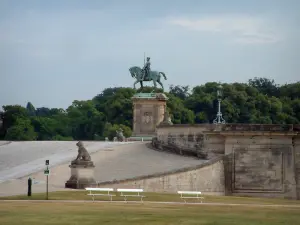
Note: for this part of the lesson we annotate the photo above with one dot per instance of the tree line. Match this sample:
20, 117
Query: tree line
259, 101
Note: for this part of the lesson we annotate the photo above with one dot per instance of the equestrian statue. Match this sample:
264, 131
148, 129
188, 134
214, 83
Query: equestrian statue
146, 74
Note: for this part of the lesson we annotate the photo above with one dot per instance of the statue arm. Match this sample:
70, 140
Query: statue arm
78, 155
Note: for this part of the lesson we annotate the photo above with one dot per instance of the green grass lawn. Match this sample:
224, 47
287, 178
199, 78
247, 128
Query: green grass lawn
85, 213
82, 195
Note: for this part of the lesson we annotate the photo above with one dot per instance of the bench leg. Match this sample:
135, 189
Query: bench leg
93, 198
110, 198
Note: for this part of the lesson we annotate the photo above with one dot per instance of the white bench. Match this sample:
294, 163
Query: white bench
190, 194
131, 193
97, 191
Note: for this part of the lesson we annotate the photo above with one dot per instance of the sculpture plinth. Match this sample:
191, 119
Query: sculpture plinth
82, 176
148, 112
82, 170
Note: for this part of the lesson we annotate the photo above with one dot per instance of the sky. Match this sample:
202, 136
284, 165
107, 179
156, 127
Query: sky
54, 52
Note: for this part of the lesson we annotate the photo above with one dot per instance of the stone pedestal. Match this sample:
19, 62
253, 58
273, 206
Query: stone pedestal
82, 175
148, 112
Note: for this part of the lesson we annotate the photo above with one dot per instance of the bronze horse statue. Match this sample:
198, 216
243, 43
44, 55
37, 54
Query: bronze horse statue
137, 73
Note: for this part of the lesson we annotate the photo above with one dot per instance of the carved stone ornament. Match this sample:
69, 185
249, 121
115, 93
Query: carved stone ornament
147, 118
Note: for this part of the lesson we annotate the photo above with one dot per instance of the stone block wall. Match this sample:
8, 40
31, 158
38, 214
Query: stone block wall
207, 178
263, 160
296, 143
186, 138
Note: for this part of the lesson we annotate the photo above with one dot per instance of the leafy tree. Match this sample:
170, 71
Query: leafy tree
265, 86
85, 120
201, 117
290, 90
258, 101
30, 109
62, 138
179, 114
10, 115
22, 130
110, 130
1, 124
43, 111
46, 127
181, 92
116, 104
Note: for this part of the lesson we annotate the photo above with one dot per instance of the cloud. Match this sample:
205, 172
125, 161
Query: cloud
243, 29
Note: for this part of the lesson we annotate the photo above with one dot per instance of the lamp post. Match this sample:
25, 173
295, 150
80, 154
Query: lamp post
219, 119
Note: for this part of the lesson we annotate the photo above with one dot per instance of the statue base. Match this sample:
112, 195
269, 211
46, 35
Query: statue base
148, 112
82, 175
82, 163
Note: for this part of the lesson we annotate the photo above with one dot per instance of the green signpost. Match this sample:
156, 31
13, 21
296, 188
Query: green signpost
46, 172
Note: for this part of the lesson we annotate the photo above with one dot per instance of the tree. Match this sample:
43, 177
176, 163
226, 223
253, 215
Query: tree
258, 101
45, 127
85, 120
110, 130
265, 86
1, 125
178, 112
30, 109
116, 104
178, 91
10, 115
22, 130
43, 111
290, 90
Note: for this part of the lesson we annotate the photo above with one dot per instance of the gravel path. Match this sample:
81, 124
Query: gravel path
112, 161
18, 159
4, 142
138, 160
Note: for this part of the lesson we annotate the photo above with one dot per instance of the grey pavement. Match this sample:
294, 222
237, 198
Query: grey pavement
113, 161
138, 160
18, 159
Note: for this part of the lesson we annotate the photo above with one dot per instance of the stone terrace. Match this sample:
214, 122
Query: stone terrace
113, 162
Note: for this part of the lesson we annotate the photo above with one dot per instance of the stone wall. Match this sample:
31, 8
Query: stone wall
207, 178
263, 168
296, 143
189, 140
264, 159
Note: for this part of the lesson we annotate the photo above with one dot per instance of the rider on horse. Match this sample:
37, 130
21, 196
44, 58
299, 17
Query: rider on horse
146, 70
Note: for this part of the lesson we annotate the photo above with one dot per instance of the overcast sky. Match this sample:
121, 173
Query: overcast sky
53, 52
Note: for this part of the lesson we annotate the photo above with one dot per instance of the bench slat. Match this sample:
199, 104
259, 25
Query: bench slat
191, 197
189, 192
102, 194
129, 190
93, 194
99, 189
132, 195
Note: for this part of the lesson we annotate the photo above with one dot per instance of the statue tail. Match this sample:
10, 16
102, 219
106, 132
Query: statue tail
164, 75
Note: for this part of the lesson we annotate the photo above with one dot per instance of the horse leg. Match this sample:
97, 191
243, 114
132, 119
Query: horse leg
141, 82
162, 86
154, 83
135, 84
